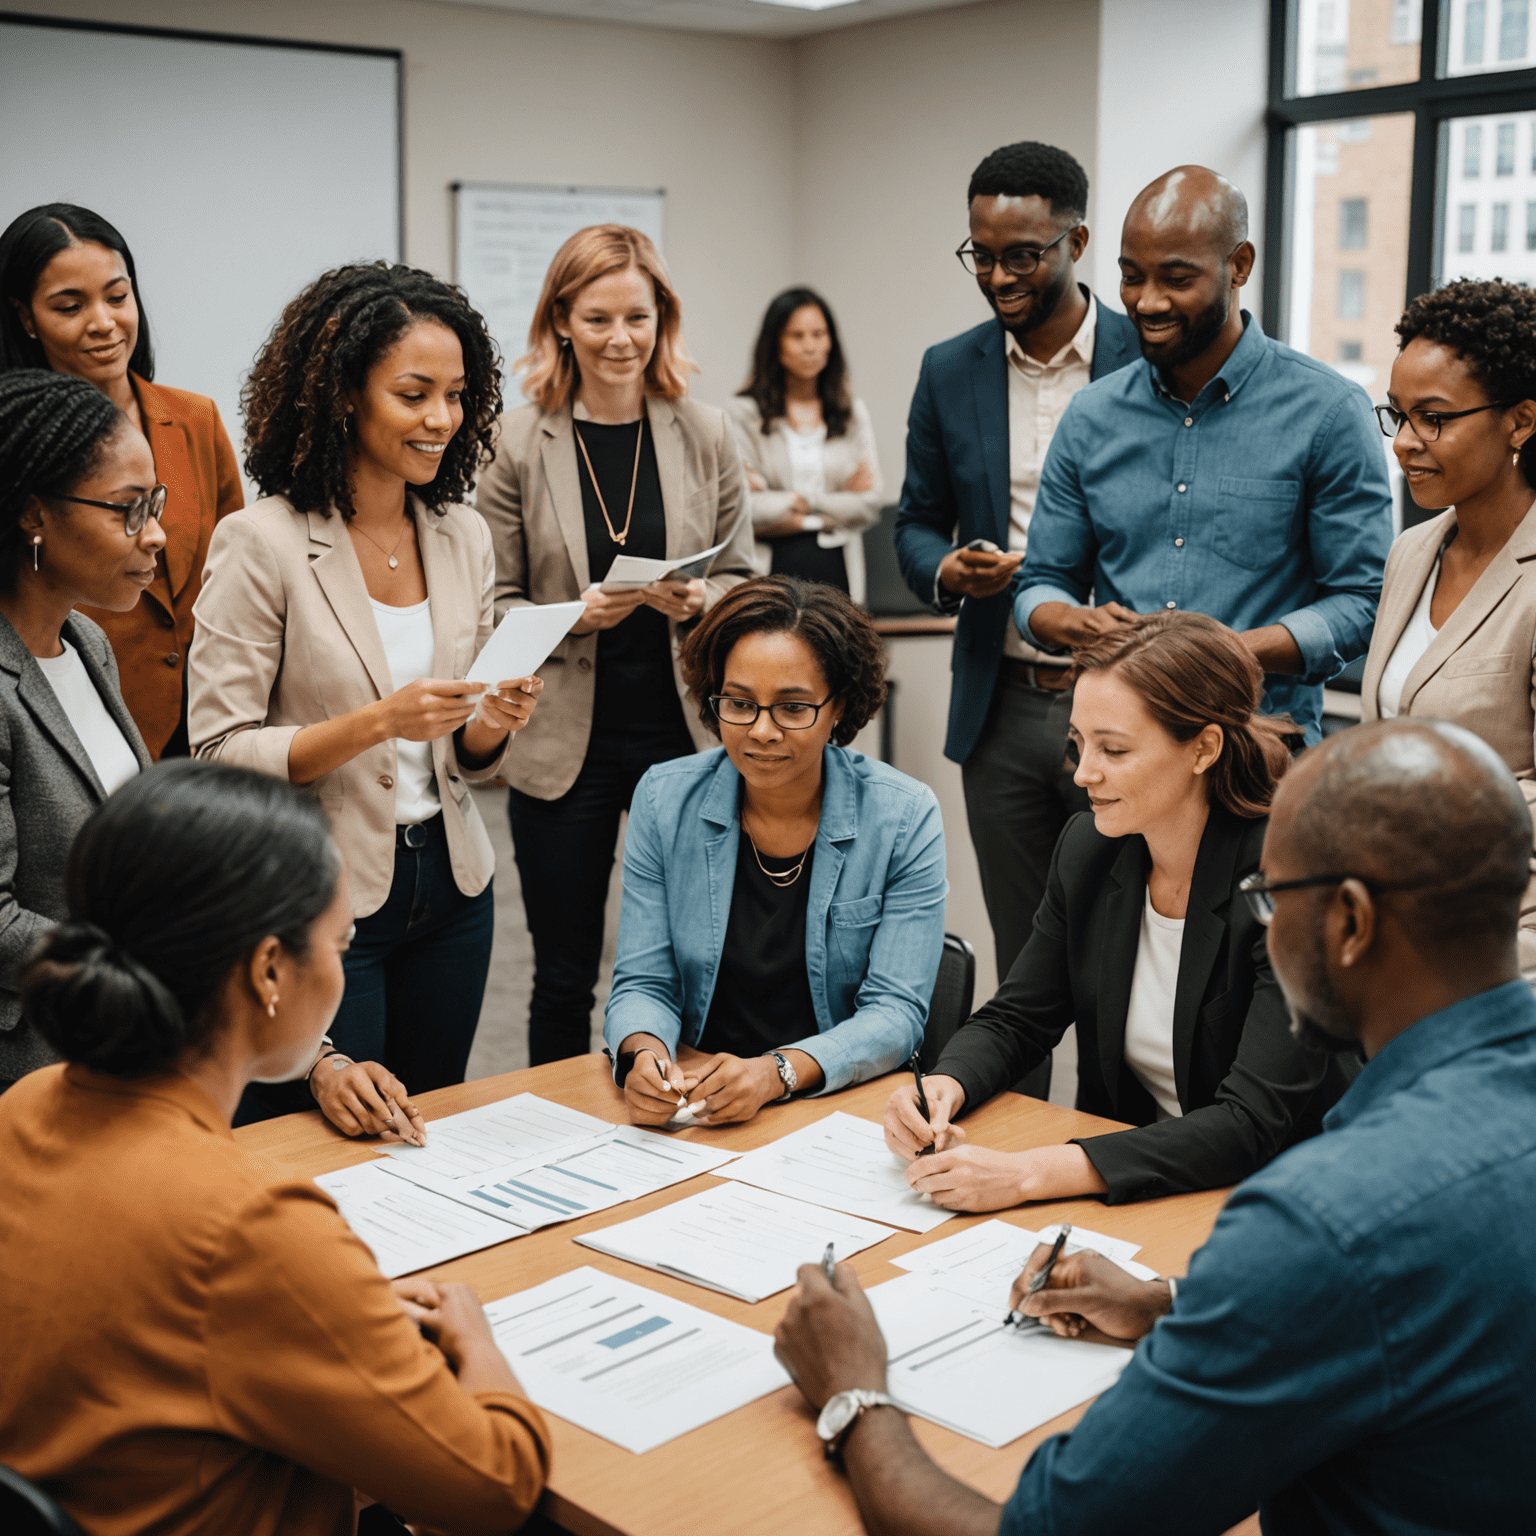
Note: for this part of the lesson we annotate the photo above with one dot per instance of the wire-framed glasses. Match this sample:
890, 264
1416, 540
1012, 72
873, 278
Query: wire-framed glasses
136, 513
1426, 424
787, 714
1020, 260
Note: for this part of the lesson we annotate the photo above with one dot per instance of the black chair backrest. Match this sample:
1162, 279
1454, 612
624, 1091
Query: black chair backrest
952, 995
886, 593
25, 1510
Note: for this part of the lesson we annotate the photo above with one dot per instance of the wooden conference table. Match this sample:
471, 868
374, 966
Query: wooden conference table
758, 1471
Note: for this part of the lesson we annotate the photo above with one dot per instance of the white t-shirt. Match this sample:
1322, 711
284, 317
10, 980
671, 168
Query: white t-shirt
104, 743
1415, 639
409, 648
807, 459
1149, 1020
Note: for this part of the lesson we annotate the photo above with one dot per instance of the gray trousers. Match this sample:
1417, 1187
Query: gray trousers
1018, 796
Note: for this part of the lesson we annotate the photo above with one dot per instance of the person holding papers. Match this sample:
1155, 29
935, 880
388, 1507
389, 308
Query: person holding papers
193, 1339
1352, 1350
608, 461
336, 617
783, 897
1144, 942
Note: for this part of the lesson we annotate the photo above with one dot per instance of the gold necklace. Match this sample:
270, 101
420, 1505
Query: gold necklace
389, 554
783, 878
634, 480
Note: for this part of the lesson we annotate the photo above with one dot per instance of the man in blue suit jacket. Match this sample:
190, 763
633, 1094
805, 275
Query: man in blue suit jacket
986, 406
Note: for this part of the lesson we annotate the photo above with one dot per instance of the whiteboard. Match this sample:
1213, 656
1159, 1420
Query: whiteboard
236, 172
504, 238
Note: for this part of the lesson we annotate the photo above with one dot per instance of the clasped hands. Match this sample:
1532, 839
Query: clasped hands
720, 1089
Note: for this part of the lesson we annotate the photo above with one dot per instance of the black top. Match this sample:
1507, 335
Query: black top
634, 682
763, 991
1247, 1087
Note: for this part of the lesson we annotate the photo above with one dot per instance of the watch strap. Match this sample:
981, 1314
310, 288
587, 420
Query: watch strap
787, 1075
863, 1398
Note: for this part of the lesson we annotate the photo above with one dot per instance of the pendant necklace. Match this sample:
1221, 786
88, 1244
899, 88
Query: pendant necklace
783, 878
634, 480
389, 554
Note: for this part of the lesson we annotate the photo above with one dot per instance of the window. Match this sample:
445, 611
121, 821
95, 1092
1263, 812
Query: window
1504, 164
1514, 29
1530, 226
1406, 16
1472, 32
1472, 151
1352, 228
1351, 304
1498, 235
1466, 236
1351, 351
1483, 36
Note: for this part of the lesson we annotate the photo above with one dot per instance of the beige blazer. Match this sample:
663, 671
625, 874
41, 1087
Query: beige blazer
531, 497
1478, 670
286, 638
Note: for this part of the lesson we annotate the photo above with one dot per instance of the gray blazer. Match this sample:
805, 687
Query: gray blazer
48, 788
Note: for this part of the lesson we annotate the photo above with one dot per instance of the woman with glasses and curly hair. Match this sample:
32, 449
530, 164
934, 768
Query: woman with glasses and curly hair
1456, 627
337, 617
783, 897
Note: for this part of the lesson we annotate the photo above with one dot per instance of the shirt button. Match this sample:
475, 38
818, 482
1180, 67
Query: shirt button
583, 664
1170, 605
1189, 421
173, 658
385, 782
1178, 543
1182, 489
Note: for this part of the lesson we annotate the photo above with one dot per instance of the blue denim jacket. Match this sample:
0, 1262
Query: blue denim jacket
874, 929
1263, 501
1354, 1348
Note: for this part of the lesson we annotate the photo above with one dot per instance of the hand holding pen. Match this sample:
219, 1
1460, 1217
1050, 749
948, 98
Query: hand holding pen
918, 1115
1037, 1282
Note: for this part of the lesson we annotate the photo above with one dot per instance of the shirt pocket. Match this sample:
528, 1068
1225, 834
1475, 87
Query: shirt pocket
1255, 520
853, 926
1478, 666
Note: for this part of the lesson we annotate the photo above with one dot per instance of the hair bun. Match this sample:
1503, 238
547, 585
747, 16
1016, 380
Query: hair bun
97, 1005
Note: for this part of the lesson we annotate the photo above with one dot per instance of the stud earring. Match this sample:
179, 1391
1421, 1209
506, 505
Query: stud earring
272, 1007
37, 546
1516, 459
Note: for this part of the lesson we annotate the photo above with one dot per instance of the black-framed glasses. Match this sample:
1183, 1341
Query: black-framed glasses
1020, 260
1426, 424
136, 513
1260, 890
787, 714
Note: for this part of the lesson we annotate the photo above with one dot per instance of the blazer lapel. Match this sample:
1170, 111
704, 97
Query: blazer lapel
36, 693
435, 541
111, 698
1210, 891
720, 846
1396, 608
564, 481
182, 522
989, 382
672, 469
1122, 938
341, 579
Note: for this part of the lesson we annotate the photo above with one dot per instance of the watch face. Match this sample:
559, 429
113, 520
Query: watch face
837, 1415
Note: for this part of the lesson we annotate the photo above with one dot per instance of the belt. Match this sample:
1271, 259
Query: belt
416, 834
1052, 677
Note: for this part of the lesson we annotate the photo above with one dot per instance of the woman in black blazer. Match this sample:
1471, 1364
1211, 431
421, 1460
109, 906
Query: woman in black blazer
1144, 941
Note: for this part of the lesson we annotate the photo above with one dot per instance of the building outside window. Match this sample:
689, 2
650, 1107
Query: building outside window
1514, 29
1352, 224
1530, 226
1472, 150
1498, 234
1504, 163
1472, 32
1466, 233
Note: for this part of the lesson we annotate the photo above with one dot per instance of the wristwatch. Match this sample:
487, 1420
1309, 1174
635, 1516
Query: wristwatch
787, 1076
841, 1413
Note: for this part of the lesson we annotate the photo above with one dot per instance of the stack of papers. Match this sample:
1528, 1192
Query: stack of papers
481, 1139
630, 571
637, 1368
745, 1242
843, 1163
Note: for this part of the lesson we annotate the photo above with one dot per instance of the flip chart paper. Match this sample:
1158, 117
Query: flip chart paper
841, 1162
630, 571
521, 643
625, 1363
745, 1242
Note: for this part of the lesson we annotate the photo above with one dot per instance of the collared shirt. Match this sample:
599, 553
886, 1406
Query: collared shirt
1353, 1349
1263, 501
1038, 394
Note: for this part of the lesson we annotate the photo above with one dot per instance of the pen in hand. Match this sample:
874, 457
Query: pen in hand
1016, 1318
829, 1266
922, 1100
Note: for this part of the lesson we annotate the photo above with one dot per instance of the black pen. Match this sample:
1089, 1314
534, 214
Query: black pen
1043, 1275
922, 1099
829, 1266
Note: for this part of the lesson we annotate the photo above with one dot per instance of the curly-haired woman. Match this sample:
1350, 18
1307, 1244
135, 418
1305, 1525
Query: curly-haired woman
336, 617
779, 882
1456, 627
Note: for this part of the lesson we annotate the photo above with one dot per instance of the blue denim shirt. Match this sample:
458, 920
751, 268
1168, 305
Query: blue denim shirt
874, 926
1354, 1349
1264, 501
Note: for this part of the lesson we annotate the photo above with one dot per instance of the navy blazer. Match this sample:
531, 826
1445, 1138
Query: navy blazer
957, 489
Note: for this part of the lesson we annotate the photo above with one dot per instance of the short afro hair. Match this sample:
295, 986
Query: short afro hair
1491, 326
1031, 169
841, 636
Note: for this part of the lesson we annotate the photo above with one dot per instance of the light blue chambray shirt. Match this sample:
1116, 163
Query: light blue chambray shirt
1354, 1348
1264, 501
874, 925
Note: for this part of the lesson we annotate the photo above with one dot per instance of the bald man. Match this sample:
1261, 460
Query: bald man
1222, 472
1353, 1349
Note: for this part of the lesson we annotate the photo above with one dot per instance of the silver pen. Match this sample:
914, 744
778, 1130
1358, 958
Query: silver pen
829, 1266
1017, 1319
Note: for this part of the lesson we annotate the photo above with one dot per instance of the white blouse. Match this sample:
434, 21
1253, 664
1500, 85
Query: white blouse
409, 648
104, 743
1416, 638
1149, 1020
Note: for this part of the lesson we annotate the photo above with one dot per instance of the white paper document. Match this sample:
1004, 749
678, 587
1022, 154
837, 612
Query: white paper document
953, 1361
630, 571
625, 1363
745, 1242
521, 643
577, 1179
468, 1144
405, 1227
843, 1163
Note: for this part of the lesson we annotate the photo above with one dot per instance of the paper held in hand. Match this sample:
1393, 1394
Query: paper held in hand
630, 571
522, 641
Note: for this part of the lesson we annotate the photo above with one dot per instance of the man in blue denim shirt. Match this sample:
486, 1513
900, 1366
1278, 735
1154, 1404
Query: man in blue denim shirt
1223, 472
1353, 1349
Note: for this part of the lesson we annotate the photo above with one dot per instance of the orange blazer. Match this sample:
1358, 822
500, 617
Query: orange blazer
193, 1342
196, 464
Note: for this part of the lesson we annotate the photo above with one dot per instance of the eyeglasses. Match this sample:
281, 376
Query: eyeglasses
1260, 890
135, 513
788, 715
1426, 424
1020, 260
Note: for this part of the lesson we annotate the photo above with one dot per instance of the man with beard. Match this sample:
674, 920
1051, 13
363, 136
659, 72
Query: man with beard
986, 406
1223, 472
1352, 1349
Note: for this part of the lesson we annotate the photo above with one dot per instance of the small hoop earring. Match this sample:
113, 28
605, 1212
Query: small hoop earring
37, 546
1516, 459
272, 1008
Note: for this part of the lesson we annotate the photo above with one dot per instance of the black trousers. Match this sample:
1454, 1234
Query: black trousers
1019, 794
565, 851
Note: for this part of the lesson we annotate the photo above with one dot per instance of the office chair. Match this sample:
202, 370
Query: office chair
952, 995
25, 1510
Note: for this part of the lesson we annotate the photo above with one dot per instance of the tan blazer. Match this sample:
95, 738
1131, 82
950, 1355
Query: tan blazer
286, 638
1478, 670
531, 497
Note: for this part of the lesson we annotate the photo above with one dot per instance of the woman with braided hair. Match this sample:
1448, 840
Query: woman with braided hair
1455, 630
337, 619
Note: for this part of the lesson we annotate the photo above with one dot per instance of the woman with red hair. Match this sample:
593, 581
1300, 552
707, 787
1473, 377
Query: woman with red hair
609, 457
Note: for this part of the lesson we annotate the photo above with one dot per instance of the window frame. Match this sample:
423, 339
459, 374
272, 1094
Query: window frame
1433, 102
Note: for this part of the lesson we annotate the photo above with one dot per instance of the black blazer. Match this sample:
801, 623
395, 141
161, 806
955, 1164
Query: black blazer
1247, 1087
